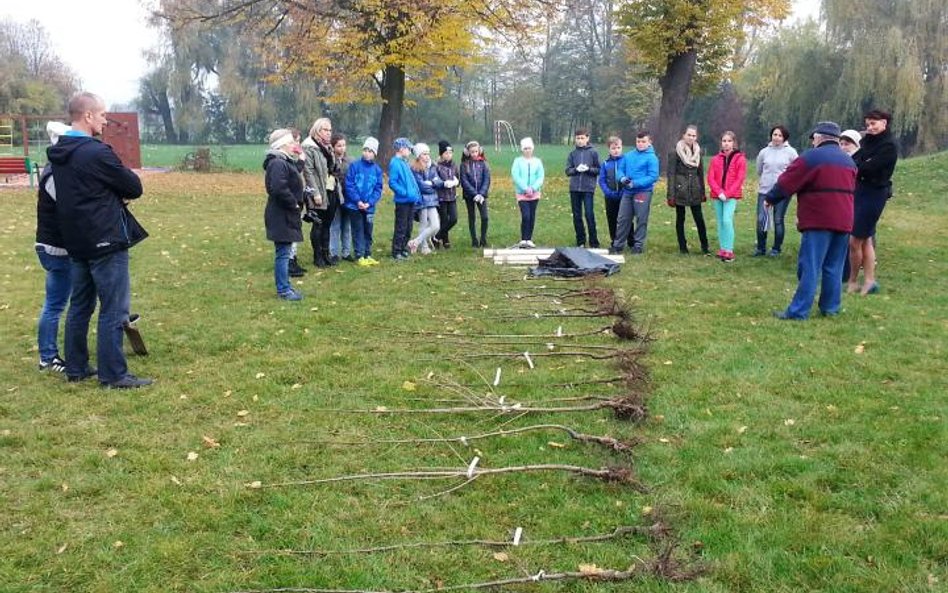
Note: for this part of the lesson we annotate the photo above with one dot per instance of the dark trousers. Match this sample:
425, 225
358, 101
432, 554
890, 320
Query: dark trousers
319, 232
104, 280
362, 224
404, 216
582, 203
698, 214
528, 218
612, 217
472, 209
448, 213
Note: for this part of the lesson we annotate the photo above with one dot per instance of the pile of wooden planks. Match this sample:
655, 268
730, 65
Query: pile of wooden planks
531, 257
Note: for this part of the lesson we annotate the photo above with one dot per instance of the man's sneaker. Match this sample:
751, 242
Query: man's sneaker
349, 258
364, 262
54, 365
531, 244
86, 374
290, 295
132, 318
372, 261
773, 253
127, 382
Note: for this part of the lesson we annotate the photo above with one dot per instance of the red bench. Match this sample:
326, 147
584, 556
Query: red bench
17, 165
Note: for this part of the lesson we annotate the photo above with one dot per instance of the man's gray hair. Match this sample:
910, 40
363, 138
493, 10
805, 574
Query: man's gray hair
81, 102
821, 138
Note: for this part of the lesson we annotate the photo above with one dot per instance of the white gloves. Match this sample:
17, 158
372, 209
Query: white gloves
451, 183
582, 167
428, 183
722, 197
479, 199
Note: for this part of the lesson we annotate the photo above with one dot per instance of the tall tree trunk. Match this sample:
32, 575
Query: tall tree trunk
392, 91
240, 132
676, 88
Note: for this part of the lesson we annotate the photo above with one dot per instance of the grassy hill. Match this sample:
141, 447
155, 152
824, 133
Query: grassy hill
780, 456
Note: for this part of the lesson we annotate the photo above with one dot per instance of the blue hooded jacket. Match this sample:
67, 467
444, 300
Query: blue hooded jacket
402, 182
363, 184
429, 191
609, 178
641, 166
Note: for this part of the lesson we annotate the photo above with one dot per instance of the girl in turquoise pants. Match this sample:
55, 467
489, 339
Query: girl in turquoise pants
726, 175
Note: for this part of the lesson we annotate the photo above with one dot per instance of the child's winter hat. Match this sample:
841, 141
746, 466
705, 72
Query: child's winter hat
444, 146
853, 136
401, 143
526, 143
371, 144
420, 149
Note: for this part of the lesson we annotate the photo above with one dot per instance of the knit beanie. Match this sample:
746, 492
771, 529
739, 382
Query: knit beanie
420, 149
280, 138
371, 144
526, 143
401, 143
443, 146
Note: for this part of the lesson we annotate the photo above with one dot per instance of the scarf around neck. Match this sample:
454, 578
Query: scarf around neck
690, 155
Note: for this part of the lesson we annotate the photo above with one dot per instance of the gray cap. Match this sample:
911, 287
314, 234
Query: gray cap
826, 128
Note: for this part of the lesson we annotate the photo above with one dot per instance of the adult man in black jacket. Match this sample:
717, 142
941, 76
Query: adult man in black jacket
93, 188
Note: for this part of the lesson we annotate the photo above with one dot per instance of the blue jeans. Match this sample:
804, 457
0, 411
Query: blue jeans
582, 202
528, 218
106, 279
821, 261
780, 213
281, 267
362, 224
340, 234
58, 286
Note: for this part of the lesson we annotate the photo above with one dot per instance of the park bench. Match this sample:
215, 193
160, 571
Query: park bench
17, 165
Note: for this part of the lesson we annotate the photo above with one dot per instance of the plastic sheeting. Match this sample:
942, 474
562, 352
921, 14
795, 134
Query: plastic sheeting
573, 262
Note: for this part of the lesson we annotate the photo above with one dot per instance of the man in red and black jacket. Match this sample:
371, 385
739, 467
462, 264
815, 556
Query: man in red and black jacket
824, 179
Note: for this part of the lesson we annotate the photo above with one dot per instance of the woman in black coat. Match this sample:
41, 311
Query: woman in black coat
875, 163
686, 187
284, 202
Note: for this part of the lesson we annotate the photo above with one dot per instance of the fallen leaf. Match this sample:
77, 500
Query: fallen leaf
118, 544
646, 510
556, 445
295, 386
210, 442
111, 453
243, 413
589, 569
380, 408
260, 375
789, 422
742, 430
408, 386
729, 450
65, 487
192, 456
61, 549
860, 348
663, 440
501, 556
175, 480
255, 484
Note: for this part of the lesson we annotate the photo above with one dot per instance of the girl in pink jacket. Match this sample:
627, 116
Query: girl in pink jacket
726, 175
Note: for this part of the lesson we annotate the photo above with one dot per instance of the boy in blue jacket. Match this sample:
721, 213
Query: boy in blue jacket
610, 185
407, 195
363, 192
638, 172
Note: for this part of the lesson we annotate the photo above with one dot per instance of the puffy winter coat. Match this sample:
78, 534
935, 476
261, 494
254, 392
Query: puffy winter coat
727, 173
284, 199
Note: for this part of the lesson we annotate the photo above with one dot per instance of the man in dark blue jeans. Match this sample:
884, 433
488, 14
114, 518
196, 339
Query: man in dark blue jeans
93, 188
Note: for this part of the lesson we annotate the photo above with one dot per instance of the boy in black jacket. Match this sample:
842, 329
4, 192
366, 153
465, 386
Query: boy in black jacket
582, 168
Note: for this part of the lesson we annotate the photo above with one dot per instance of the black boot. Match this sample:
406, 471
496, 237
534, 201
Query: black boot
330, 260
319, 259
296, 270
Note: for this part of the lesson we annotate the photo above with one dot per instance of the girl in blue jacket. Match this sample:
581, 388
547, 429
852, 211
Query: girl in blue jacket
426, 176
363, 192
407, 195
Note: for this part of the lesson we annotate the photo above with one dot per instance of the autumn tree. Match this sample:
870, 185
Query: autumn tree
368, 50
895, 56
689, 45
33, 79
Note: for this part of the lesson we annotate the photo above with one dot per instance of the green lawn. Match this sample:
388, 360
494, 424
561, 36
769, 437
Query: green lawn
782, 456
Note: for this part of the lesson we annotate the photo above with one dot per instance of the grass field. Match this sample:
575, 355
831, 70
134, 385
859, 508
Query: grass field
784, 457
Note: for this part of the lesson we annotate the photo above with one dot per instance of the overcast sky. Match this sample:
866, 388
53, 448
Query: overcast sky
104, 41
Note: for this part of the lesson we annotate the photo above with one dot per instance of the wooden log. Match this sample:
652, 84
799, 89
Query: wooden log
540, 251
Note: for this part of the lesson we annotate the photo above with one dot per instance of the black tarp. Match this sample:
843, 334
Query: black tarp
573, 262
